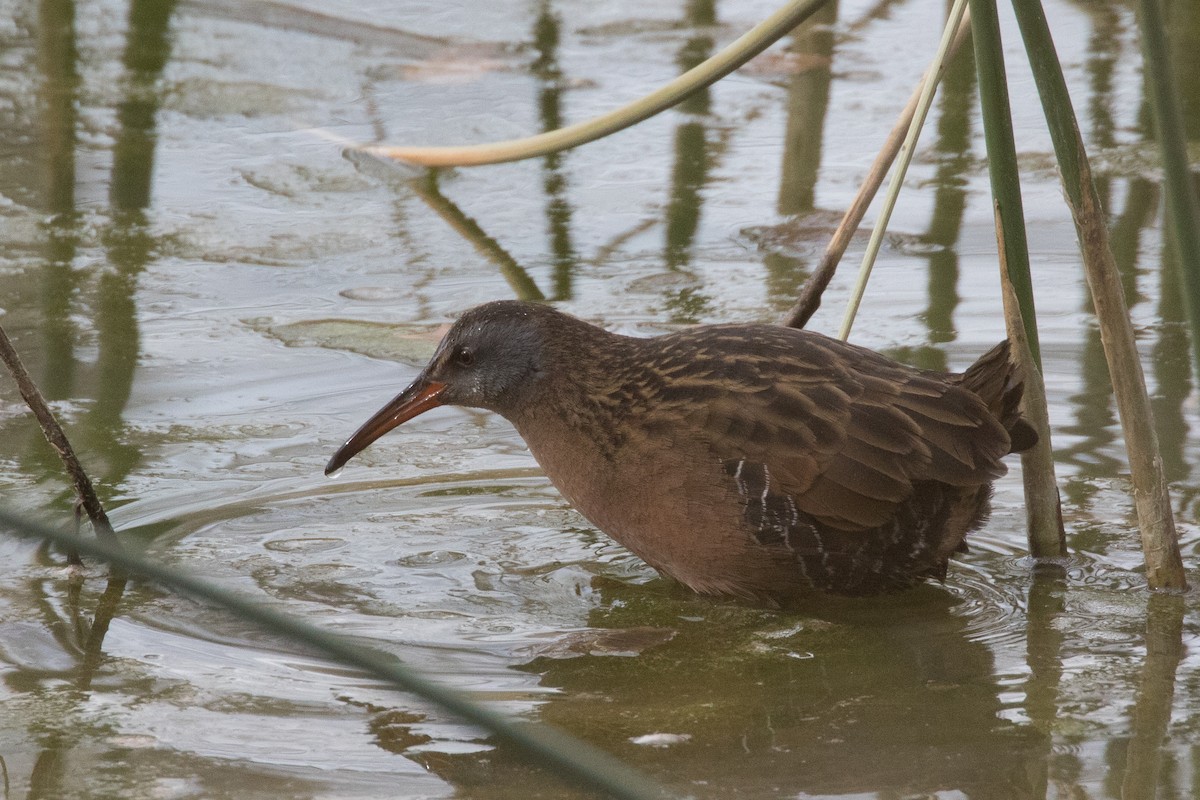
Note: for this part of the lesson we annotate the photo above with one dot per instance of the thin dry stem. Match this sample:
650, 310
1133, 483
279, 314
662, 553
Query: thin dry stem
57, 439
1151, 494
810, 296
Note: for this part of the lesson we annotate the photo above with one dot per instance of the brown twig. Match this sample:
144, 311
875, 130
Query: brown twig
810, 296
58, 440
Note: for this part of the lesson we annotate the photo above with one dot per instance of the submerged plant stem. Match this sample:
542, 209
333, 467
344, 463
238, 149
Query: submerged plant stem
750, 44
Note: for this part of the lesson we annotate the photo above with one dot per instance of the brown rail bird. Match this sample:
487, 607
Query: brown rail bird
750, 460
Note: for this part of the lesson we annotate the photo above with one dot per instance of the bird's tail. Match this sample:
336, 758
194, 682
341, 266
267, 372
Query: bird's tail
997, 379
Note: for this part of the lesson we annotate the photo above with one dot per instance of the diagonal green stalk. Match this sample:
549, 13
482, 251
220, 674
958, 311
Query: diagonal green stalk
1183, 207
569, 757
1042, 510
903, 160
746, 47
1164, 569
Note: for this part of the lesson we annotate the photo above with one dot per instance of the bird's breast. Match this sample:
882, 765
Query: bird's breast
671, 503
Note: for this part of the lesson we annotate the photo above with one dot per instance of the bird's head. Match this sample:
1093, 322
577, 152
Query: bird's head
493, 358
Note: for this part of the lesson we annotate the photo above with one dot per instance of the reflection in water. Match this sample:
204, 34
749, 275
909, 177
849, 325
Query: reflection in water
1104, 48
558, 208
57, 122
78, 624
1170, 362
130, 247
810, 54
687, 179
1103, 51
811, 51
1043, 656
46, 778
147, 50
690, 171
1095, 425
956, 100
99, 434
1172, 373
1152, 707
545, 68
518, 279
59, 731
1126, 233
93, 644
129, 242
58, 103
1093, 428
772, 705
1183, 40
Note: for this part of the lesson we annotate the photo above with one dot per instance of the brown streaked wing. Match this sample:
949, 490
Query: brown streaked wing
842, 431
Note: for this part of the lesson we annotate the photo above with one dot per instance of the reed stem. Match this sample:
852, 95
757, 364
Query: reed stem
1164, 569
1043, 513
928, 85
810, 296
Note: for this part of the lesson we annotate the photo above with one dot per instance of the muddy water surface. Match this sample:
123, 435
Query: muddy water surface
213, 297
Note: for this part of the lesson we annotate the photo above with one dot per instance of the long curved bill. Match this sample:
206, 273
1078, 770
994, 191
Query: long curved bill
418, 398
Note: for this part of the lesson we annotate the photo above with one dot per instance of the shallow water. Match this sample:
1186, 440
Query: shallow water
213, 298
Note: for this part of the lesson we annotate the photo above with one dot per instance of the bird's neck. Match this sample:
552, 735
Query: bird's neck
579, 401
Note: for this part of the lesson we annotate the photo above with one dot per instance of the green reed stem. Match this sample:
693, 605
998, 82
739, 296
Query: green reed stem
750, 44
1002, 160
1043, 513
1164, 569
1183, 207
570, 757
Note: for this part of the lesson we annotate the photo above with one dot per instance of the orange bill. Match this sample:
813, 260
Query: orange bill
418, 398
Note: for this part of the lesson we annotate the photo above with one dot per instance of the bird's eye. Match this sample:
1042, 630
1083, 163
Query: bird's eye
464, 357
